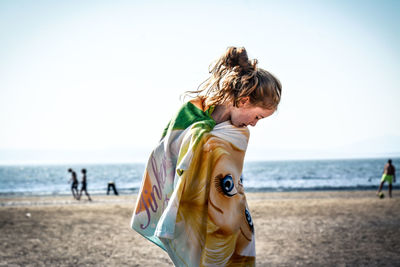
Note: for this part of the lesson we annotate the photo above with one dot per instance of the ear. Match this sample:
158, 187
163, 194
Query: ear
243, 101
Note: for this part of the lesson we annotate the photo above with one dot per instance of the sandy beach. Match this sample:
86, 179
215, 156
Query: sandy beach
347, 228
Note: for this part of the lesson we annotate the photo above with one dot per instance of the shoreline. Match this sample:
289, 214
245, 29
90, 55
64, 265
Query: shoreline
54, 200
249, 190
128, 192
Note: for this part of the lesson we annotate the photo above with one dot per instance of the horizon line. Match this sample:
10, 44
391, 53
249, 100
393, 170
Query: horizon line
123, 162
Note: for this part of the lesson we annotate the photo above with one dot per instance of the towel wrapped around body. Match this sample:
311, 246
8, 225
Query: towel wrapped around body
191, 202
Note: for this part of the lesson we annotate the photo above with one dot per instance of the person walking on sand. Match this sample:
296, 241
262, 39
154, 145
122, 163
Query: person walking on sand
74, 186
389, 175
84, 186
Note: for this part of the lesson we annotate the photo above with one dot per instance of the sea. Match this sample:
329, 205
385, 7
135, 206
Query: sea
261, 176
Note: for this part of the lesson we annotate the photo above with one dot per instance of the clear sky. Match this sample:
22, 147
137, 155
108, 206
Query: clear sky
80, 79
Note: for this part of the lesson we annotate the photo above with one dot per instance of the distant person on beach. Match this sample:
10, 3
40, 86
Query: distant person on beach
111, 185
84, 186
74, 186
389, 175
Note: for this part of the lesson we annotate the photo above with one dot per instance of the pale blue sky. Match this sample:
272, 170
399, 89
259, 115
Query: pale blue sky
106, 75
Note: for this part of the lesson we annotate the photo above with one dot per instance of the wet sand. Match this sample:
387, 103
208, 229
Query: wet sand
300, 228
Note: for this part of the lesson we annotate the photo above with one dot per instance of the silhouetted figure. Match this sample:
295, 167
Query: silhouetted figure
389, 175
112, 185
74, 186
84, 185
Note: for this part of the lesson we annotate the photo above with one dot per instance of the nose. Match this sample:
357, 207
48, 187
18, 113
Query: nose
254, 123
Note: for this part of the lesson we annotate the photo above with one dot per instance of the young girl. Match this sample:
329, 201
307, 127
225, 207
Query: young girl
237, 91
192, 185
240, 91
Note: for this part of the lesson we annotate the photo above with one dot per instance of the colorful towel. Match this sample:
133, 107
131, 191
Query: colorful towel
192, 202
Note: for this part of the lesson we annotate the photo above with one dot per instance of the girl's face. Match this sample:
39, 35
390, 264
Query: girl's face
246, 114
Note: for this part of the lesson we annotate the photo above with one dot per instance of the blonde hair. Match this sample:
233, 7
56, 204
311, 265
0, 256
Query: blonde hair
234, 77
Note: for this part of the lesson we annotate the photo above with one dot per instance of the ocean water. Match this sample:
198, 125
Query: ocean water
354, 174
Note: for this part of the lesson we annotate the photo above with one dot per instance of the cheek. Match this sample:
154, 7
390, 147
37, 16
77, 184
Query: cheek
226, 212
239, 118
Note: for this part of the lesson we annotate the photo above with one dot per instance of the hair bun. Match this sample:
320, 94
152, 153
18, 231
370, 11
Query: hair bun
236, 57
